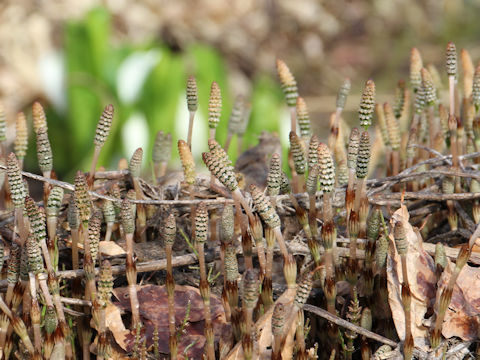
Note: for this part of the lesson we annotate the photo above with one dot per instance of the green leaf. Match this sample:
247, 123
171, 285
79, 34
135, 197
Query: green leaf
160, 95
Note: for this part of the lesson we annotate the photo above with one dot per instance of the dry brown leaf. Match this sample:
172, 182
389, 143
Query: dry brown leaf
421, 277
153, 301
263, 327
111, 248
114, 323
461, 318
287, 350
116, 352
107, 248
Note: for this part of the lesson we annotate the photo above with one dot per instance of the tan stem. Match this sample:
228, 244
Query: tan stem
46, 256
359, 193
350, 192
281, 242
237, 197
451, 88
301, 182
236, 194
109, 230
171, 296
227, 142
75, 238
93, 167
9, 294
239, 144
163, 168
432, 127
261, 257
135, 306
191, 191
21, 225
190, 128
293, 118
42, 281
388, 157
312, 215
51, 228
295, 181
327, 207
37, 338
395, 162
206, 301
248, 320
62, 321
269, 263
156, 172
37, 334
141, 214
132, 286
86, 350
300, 333
46, 186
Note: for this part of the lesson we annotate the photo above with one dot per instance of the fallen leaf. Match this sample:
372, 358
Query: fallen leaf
263, 327
461, 318
111, 248
153, 301
107, 248
421, 277
114, 323
287, 350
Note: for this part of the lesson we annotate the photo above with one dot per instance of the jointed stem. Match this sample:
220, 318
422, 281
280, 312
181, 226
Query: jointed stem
132, 284
451, 88
227, 142
93, 167
293, 118
141, 213
190, 128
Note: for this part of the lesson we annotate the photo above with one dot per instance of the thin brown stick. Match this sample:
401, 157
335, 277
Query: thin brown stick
348, 325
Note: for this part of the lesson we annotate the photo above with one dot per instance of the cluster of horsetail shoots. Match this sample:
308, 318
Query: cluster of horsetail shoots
415, 128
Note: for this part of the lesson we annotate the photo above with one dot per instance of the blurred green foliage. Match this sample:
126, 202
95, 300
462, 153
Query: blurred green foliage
92, 64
